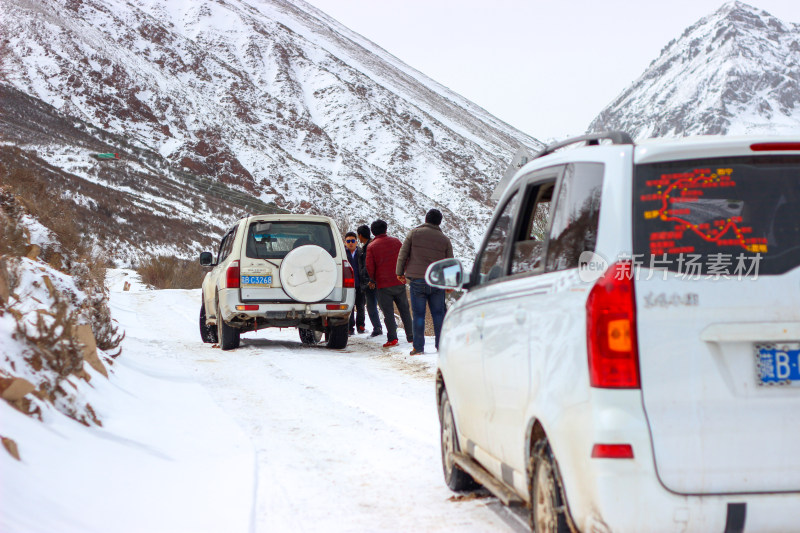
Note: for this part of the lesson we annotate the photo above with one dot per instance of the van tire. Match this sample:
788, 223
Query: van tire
548, 508
455, 478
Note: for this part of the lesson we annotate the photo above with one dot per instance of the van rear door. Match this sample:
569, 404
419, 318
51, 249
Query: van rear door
717, 242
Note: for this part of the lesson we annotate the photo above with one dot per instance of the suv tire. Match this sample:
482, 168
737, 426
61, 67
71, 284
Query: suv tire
548, 509
309, 337
455, 478
337, 336
229, 337
208, 332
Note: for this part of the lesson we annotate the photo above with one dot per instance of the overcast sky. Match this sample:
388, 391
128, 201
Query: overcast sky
547, 68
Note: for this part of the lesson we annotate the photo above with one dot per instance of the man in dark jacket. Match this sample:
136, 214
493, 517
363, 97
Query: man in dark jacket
357, 316
381, 262
424, 245
367, 285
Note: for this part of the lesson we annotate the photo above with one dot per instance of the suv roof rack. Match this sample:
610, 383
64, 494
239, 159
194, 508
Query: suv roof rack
591, 139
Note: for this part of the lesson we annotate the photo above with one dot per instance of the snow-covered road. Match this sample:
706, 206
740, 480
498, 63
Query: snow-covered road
345, 440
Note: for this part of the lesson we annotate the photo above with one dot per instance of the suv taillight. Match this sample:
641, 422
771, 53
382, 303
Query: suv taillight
232, 276
348, 278
611, 330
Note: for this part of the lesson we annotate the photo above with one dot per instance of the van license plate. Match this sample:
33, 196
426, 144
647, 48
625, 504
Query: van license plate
778, 364
257, 281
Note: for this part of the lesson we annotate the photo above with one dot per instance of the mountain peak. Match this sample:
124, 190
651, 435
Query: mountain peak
735, 71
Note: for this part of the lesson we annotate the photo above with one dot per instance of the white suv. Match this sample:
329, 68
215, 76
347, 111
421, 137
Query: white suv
626, 355
278, 271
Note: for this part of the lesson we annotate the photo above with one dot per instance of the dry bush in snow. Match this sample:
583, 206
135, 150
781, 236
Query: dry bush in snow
170, 272
51, 317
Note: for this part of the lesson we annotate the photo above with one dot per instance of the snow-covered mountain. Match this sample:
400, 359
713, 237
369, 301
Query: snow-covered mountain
270, 97
736, 71
132, 207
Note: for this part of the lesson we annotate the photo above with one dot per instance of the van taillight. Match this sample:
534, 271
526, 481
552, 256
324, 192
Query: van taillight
611, 330
232, 276
348, 278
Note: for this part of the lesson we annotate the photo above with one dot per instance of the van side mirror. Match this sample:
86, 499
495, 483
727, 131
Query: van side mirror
206, 259
445, 274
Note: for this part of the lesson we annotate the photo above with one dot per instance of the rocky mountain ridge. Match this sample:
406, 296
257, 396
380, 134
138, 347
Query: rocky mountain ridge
273, 99
736, 71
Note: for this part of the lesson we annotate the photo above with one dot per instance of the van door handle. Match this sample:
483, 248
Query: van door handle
520, 316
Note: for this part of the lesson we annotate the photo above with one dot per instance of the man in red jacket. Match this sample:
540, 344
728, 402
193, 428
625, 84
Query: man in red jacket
381, 263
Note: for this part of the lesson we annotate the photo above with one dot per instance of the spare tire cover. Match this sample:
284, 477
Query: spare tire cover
308, 273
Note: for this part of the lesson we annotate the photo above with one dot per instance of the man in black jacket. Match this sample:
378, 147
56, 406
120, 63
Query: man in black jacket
367, 285
357, 316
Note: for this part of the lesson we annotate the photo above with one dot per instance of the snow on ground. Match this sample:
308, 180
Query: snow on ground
345, 440
166, 459
273, 436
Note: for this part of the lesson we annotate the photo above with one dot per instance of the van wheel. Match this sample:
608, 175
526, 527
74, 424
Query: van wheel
208, 332
455, 478
229, 337
309, 337
548, 508
337, 336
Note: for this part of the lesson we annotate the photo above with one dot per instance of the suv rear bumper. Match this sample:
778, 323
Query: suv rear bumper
283, 313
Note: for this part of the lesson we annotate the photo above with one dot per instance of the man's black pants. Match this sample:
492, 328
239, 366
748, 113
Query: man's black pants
388, 297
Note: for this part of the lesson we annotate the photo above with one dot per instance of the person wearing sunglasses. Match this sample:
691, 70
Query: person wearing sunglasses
367, 285
357, 317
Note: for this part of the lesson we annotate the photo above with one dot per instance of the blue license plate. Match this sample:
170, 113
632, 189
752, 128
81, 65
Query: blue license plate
259, 281
778, 364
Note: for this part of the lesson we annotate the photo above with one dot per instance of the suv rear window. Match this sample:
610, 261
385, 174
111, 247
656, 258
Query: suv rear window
273, 240
736, 215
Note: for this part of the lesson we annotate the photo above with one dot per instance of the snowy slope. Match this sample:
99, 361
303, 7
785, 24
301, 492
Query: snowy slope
270, 97
736, 71
162, 457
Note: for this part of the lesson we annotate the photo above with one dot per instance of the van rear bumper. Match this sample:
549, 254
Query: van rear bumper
622, 495
631, 504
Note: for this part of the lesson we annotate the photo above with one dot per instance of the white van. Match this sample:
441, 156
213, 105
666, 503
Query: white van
626, 355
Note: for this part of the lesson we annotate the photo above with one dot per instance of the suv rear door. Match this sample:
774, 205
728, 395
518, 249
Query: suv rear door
266, 242
719, 331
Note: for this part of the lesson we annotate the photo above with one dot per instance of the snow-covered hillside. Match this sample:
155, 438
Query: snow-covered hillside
132, 208
736, 71
133, 447
273, 98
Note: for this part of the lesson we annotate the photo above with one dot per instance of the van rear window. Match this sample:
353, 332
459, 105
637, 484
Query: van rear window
724, 217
